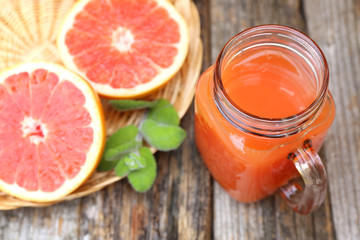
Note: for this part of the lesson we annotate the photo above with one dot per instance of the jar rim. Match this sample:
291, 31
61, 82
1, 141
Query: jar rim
309, 110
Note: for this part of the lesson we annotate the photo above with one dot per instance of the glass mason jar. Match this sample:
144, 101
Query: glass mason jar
262, 112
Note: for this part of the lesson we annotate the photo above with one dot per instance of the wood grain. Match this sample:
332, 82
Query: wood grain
335, 26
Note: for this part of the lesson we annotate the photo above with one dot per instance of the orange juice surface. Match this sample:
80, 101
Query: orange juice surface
267, 82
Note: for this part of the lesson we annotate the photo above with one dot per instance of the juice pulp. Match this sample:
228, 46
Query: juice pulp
268, 82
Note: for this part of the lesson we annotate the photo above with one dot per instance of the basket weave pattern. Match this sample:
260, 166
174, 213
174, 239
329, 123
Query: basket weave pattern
28, 30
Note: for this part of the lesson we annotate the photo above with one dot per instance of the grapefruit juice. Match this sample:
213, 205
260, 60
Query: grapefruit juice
263, 84
267, 82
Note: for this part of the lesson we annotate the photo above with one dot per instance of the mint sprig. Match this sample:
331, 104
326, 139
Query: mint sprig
143, 179
131, 162
162, 136
121, 150
121, 141
163, 112
128, 105
124, 149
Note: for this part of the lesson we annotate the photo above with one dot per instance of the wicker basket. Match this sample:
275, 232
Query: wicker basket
28, 32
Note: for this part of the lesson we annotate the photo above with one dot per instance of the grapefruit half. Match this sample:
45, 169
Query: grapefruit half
124, 48
52, 131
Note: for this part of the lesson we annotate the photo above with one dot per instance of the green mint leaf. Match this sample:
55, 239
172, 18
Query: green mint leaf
164, 113
122, 136
129, 163
143, 179
162, 137
135, 161
126, 105
118, 151
105, 165
121, 169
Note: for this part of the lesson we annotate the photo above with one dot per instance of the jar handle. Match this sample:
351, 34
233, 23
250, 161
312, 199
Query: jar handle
308, 195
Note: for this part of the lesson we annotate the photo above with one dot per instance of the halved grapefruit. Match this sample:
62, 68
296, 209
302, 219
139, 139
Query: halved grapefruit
52, 131
124, 48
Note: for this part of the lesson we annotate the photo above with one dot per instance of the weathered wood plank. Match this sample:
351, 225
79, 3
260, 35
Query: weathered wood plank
335, 26
270, 218
60, 221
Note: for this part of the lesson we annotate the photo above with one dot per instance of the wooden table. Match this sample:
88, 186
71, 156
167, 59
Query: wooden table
185, 203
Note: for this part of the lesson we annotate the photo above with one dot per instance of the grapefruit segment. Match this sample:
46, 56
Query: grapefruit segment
26, 175
50, 145
18, 88
9, 111
50, 175
60, 119
69, 160
10, 157
42, 85
80, 138
124, 48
